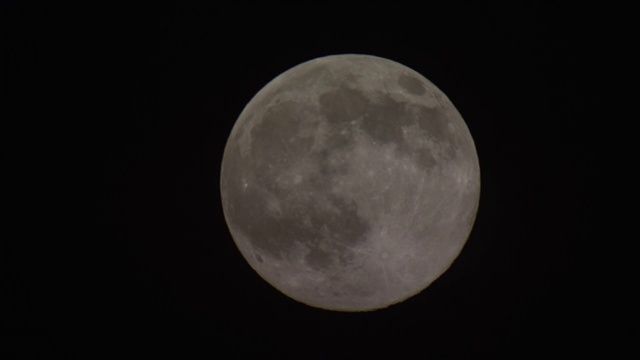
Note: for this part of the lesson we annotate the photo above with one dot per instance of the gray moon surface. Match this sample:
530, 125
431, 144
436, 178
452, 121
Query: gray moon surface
350, 182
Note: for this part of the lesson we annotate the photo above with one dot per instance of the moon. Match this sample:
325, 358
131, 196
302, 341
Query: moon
350, 183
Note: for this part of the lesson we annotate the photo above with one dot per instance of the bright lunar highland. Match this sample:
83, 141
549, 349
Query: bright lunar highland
350, 182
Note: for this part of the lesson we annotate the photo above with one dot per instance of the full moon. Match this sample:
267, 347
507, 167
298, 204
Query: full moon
350, 183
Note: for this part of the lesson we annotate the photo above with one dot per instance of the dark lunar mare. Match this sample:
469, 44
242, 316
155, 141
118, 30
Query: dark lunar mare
312, 215
384, 120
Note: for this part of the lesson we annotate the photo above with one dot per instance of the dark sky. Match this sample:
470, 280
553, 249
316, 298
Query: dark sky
117, 246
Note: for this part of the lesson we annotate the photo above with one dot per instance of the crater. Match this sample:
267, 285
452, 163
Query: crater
412, 85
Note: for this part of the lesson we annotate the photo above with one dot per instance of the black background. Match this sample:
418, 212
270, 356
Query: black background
116, 243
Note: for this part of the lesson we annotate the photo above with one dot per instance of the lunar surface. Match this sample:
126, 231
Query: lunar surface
350, 183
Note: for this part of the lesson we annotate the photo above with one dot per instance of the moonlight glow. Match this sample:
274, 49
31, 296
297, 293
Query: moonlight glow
350, 182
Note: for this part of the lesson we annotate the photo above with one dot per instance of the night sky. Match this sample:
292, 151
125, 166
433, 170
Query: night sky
116, 242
